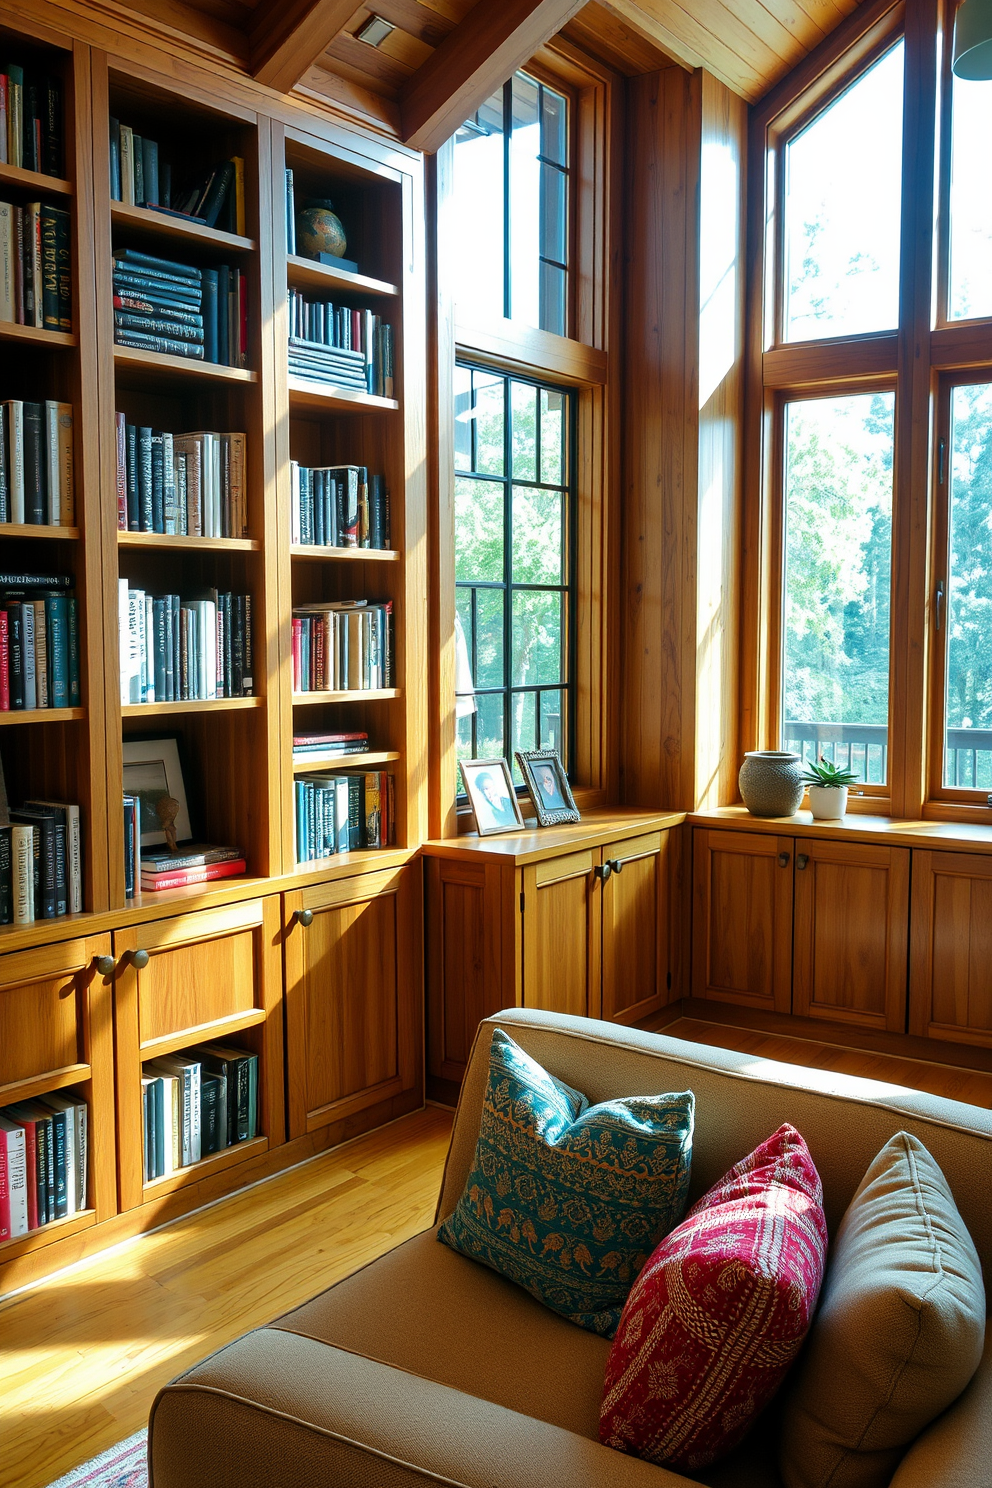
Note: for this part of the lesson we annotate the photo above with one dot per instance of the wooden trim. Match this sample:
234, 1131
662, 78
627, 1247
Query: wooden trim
520, 348
286, 38
805, 364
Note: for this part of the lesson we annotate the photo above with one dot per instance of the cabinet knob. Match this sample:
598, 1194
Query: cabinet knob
139, 960
783, 860
616, 864
304, 917
801, 860
105, 965
603, 870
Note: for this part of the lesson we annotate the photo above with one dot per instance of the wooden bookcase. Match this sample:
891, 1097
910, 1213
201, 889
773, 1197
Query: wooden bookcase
209, 963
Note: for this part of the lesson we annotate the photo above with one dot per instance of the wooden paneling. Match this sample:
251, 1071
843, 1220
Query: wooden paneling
851, 933
950, 967
635, 898
470, 915
742, 919
562, 935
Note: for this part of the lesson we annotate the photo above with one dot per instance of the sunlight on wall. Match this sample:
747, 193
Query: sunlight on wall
719, 233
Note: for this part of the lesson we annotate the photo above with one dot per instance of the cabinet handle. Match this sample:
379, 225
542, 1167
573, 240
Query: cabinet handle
304, 917
783, 860
801, 860
616, 864
106, 965
603, 870
139, 960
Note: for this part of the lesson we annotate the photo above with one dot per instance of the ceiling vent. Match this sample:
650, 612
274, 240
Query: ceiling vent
375, 31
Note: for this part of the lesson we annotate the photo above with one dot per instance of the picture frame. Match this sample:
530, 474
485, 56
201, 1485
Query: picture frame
153, 769
492, 796
554, 804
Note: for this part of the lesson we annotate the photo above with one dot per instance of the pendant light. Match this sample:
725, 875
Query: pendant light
973, 40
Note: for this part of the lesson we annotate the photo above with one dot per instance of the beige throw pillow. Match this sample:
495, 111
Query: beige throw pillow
899, 1332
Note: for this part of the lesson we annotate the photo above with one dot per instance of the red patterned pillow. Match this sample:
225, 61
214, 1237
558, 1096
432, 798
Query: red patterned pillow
719, 1312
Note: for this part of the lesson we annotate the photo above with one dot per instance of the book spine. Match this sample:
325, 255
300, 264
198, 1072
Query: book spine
51, 319
35, 501
61, 1189
56, 611
4, 664
72, 634
210, 315
4, 1192
164, 344
145, 497
29, 674
158, 483
63, 260
121, 425
30, 1129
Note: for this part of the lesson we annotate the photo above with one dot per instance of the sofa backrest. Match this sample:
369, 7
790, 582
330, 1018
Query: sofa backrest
740, 1100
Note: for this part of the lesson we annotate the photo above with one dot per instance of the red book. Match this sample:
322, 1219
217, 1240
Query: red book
157, 881
31, 1159
4, 665
297, 654
317, 680
132, 302
301, 739
121, 473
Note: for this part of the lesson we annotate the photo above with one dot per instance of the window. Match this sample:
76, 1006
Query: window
970, 286
514, 564
510, 207
842, 211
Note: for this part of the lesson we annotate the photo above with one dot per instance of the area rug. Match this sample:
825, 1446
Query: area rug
123, 1466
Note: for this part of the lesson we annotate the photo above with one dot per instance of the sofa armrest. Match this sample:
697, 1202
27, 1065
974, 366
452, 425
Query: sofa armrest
956, 1450
278, 1410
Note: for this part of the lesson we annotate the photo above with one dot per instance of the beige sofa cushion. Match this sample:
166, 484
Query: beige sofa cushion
900, 1329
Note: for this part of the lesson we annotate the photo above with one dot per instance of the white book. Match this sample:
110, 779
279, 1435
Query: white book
41, 653
82, 1149
216, 495
124, 640
27, 653
127, 165
169, 484
188, 1073
15, 452
13, 1141
22, 873
146, 630
8, 260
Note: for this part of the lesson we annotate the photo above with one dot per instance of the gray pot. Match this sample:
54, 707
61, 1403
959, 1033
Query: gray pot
771, 782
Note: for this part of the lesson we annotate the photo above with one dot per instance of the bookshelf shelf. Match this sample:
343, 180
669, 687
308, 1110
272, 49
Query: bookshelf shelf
192, 705
184, 544
322, 395
304, 273
150, 365
148, 222
355, 695
351, 761
28, 529
346, 555
41, 715
215, 1032
56, 1229
35, 335
34, 181
30, 1089
216, 1162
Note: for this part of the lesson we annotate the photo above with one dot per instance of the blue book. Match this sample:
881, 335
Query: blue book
158, 646
149, 150
158, 483
210, 316
115, 160
165, 265
140, 286
75, 695
223, 309
57, 628
158, 1089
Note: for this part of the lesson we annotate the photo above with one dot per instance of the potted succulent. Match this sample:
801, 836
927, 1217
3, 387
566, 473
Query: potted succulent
827, 786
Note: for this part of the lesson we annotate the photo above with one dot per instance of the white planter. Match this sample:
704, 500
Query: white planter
827, 802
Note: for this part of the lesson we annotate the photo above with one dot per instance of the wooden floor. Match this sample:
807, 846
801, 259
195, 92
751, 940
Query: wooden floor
83, 1355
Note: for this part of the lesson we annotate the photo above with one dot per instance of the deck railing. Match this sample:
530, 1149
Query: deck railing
864, 749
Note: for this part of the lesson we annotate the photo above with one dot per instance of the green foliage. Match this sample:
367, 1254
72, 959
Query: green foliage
823, 772
969, 587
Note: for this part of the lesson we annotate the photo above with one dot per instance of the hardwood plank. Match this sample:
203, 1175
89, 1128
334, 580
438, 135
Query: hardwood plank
158, 224
305, 273
347, 555
323, 395
33, 181
286, 38
154, 364
28, 529
174, 540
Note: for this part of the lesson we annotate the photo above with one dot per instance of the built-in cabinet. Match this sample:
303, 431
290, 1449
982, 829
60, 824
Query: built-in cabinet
950, 985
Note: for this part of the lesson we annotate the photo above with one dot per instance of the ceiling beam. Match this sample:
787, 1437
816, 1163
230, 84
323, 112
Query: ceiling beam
486, 48
287, 37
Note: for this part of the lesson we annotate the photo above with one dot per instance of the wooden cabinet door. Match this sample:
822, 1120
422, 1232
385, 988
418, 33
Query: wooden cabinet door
213, 976
354, 995
561, 923
635, 928
742, 918
950, 965
852, 933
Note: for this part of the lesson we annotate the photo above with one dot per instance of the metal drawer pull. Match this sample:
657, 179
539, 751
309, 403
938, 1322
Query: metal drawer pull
783, 860
801, 860
106, 965
603, 870
616, 864
304, 917
139, 960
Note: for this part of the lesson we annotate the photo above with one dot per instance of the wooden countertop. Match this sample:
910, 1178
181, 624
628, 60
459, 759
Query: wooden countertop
857, 827
535, 844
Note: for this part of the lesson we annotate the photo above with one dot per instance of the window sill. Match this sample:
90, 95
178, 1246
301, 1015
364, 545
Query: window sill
962, 835
511, 346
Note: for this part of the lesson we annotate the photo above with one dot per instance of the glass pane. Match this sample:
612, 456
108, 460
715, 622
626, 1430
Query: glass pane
968, 757
838, 555
490, 414
478, 529
554, 118
489, 614
843, 189
538, 555
971, 202
523, 399
553, 221
525, 203
464, 418
553, 299
552, 434
523, 722
489, 726
463, 608
476, 214
538, 636
552, 721
463, 743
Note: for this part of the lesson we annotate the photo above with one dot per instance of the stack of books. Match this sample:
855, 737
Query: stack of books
165, 306
36, 266
305, 745
41, 863
192, 863
31, 120
192, 485
338, 506
36, 463
39, 642
179, 650
343, 645
140, 178
343, 813
336, 344
43, 1167
195, 1104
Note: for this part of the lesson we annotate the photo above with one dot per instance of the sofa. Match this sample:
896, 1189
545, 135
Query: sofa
426, 1368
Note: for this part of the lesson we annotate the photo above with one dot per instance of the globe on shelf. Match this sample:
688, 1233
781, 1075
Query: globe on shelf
319, 230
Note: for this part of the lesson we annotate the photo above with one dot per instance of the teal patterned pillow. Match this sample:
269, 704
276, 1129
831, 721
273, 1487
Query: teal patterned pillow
566, 1199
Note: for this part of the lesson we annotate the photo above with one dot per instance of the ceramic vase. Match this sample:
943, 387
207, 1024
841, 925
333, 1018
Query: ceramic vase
827, 802
771, 782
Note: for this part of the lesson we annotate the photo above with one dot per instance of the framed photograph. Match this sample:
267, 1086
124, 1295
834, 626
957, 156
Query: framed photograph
153, 772
545, 776
490, 790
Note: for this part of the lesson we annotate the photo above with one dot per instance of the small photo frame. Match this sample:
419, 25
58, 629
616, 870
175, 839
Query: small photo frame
545, 776
152, 770
492, 796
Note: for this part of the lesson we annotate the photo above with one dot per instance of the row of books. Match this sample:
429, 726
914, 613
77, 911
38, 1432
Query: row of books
165, 306
192, 485
31, 120
140, 178
43, 1162
177, 650
334, 343
41, 863
343, 813
39, 642
339, 506
37, 481
195, 1104
305, 745
36, 266
342, 645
